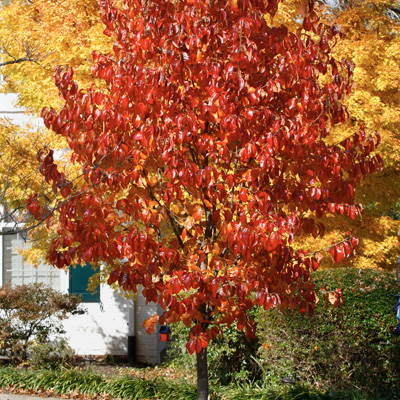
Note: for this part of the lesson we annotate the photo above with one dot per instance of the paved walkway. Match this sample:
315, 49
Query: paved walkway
10, 396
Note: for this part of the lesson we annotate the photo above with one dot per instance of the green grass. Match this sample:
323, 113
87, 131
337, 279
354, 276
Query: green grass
85, 382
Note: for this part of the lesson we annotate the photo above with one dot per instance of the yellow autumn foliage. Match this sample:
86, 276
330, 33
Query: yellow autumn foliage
35, 37
52, 33
371, 41
20, 178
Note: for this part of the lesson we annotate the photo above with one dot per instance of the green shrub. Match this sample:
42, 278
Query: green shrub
348, 348
177, 354
50, 354
351, 346
31, 313
230, 359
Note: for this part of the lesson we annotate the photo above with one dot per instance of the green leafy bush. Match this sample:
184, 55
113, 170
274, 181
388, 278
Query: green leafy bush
351, 346
50, 354
231, 358
31, 312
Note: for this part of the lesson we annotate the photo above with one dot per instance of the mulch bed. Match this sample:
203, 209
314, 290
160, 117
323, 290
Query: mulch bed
120, 366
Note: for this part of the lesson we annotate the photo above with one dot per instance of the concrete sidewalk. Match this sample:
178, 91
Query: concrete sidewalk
10, 396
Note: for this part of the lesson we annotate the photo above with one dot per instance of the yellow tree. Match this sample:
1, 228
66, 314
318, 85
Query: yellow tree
371, 42
35, 37
38, 35
20, 177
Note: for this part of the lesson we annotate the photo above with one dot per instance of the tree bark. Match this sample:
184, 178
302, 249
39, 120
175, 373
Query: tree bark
202, 375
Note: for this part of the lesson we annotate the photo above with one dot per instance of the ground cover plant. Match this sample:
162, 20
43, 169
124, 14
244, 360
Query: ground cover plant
76, 383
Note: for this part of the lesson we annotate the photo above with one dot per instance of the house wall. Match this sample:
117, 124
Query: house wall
105, 328
149, 349
16, 115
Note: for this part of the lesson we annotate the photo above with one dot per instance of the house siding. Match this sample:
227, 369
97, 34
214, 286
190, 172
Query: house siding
104, 329
149, 349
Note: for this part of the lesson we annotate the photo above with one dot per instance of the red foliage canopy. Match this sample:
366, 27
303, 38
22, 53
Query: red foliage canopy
205, 157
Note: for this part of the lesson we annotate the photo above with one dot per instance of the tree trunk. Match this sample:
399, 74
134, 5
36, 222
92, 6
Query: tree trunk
202, 375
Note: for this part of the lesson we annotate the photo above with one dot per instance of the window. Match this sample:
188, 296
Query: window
18, 272
78, 282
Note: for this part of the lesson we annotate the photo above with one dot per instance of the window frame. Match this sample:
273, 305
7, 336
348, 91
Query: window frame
78, 281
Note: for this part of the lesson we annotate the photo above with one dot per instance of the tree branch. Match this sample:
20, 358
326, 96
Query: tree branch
17, 61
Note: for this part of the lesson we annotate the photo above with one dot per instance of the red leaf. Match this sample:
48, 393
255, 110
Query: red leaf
338, 256
229, 181
86, 216
272, 242
113, 277
314, 264
191, 346
197, 213
199, 346
203, 339
307, 24
149, 326
354, 243
249, 113
346, 248
260, 298
243, 195
88, 254
303, 307
33, 207
65, 191
122, 278
291, 103
95, 202
332, 207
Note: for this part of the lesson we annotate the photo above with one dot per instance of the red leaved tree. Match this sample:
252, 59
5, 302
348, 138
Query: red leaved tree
205, 155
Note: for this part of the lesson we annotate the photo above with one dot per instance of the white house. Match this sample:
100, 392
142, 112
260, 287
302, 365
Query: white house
113, 325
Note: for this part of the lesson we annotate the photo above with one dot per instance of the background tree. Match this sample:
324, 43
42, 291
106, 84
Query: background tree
47, 33
371, 42
35, 37
214, 123
20, 177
